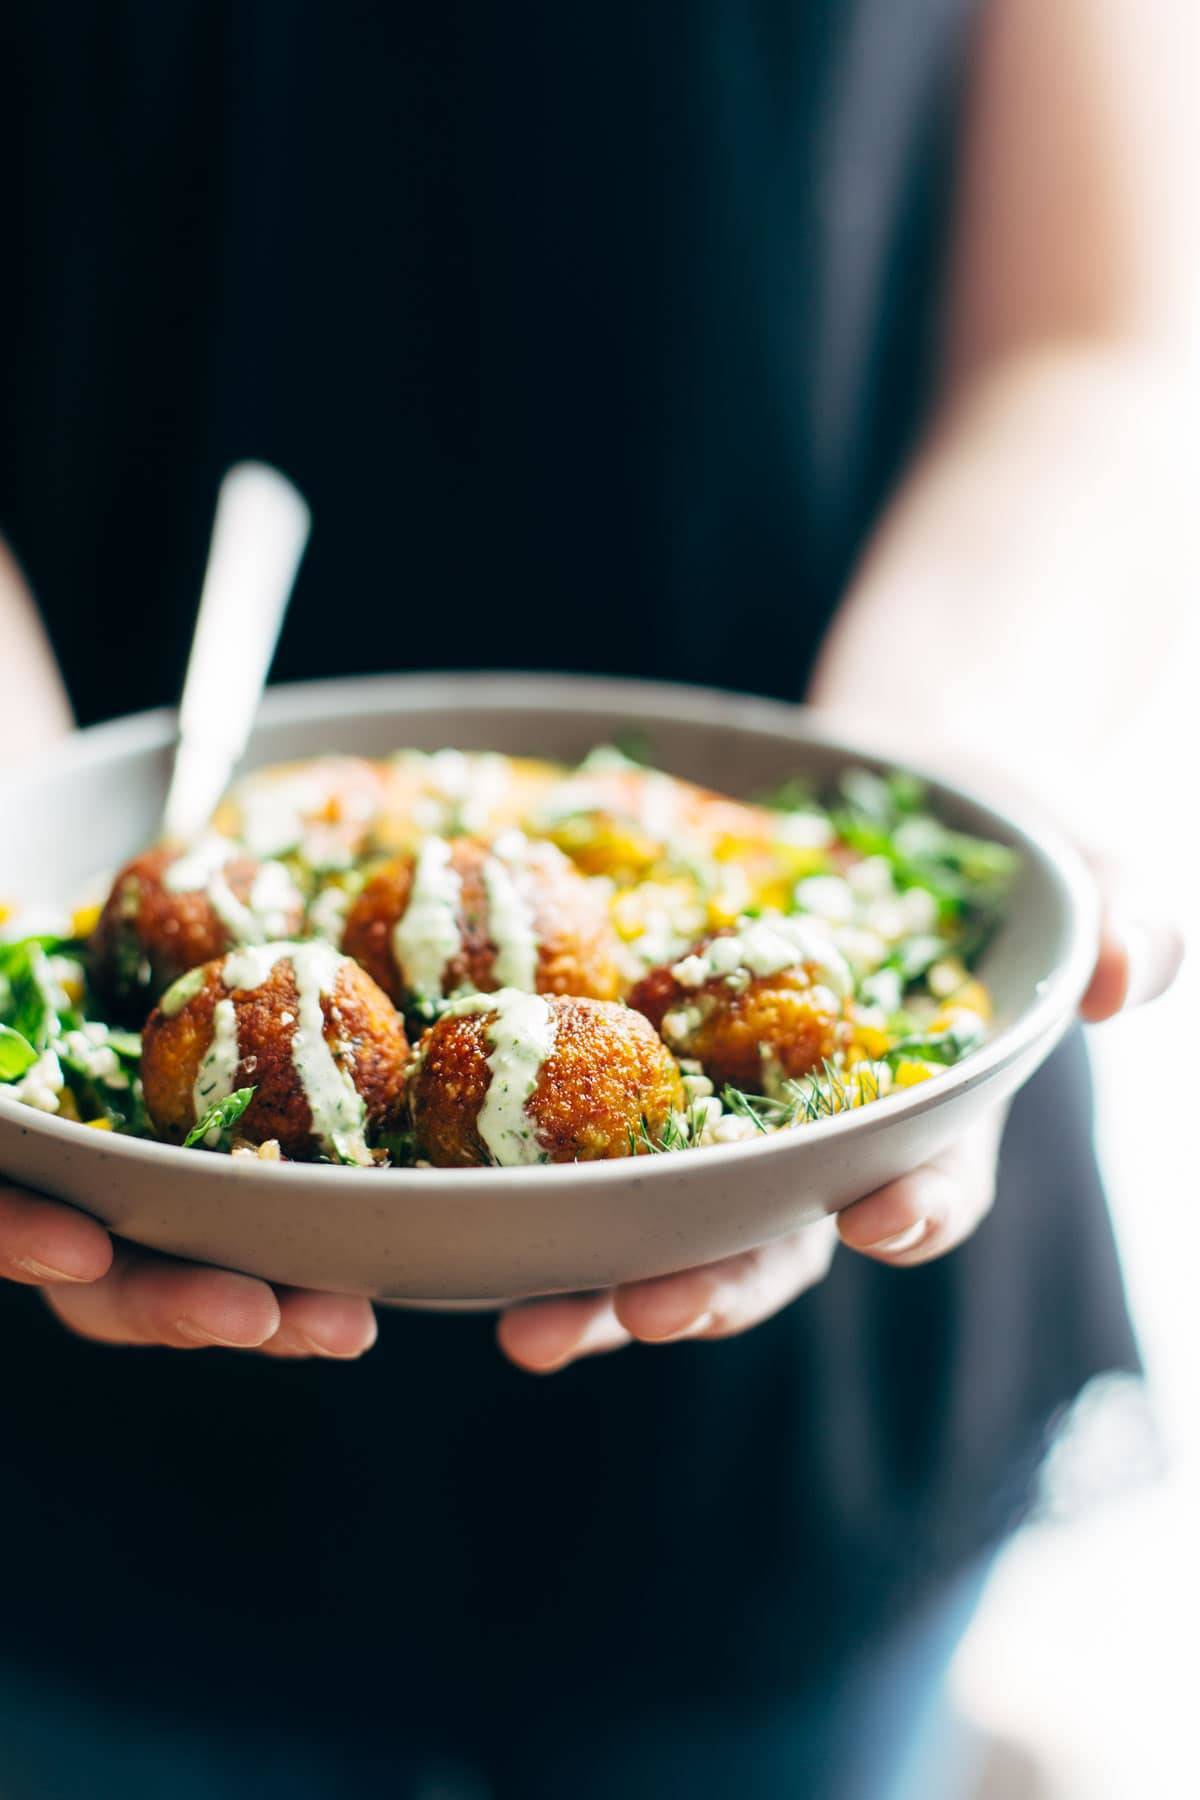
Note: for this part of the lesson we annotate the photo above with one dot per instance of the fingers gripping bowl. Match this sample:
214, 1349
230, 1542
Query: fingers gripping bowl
472, 1233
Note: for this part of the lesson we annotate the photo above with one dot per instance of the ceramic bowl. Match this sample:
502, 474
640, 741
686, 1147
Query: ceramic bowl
476, 1235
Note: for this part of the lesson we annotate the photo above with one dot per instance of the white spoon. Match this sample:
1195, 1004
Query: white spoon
259, 534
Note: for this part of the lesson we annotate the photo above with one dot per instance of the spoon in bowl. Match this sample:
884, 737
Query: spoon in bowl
258, 539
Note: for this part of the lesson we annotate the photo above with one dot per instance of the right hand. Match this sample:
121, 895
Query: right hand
117, 1294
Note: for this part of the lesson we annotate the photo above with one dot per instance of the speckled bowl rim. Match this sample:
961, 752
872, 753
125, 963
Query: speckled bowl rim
1044, 1019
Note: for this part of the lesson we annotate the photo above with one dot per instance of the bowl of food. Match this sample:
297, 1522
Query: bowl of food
482, 987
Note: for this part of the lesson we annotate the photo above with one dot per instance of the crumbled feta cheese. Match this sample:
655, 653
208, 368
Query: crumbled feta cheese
327, 914
41, 1084
692, 972
804, 831
920, 909
884, 990
945, 976
89, 1049
864, 950
678, 1025
871, 879
887, 917
826, 895
732, 1128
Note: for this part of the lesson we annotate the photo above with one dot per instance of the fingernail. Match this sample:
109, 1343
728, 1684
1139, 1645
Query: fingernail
43, 1272
902, 1240
693, 1327
300, 1340
1153, 955
196, 1334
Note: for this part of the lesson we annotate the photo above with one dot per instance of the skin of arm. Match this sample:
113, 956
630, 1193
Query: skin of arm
102, 1290
1047, 492
1037, 555
33, 701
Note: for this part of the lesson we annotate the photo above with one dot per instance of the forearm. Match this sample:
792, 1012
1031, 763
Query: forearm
1033, 567
34, 708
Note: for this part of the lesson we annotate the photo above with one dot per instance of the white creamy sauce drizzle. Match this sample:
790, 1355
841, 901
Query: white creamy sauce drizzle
192, 871
215, 1076
521, 1032
511, 915
338, 1114
767, 946
274, 898
337, 1108
430, 933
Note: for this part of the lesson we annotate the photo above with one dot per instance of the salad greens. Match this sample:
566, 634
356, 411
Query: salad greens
213, 1130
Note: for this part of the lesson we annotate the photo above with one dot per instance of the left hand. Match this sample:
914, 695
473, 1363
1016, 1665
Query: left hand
909, 1221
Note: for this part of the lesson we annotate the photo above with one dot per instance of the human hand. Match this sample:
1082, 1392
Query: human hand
910, 1221
116, 1294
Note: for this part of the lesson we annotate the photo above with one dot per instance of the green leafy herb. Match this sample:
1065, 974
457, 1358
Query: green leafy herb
682, 1131
400, 1146
28, 991
16, 1054
796, 794
947, 1046
211, 1131
821, 1095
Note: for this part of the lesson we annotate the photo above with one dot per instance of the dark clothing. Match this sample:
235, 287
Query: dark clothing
594, 335
876, 1728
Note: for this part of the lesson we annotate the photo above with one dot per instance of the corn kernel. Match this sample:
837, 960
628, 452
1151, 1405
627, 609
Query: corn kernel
873, 1042
954, 1016
973, 997
5, 912
84, 921
100, 1124
908, 1073
723, 909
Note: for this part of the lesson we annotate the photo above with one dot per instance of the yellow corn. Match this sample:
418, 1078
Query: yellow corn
84, 921
723, 909
908, 1074
953, 1012
871, 1041
972, 996
100, 1124
5, 912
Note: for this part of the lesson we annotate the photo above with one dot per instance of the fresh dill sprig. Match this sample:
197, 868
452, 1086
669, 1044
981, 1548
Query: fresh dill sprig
804, 1100
680, 1131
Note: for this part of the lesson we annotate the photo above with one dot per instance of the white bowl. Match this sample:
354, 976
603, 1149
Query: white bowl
444, 1236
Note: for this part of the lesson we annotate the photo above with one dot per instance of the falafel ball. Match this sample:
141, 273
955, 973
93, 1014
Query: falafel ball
526, 1078
171, 909
323, 1048
753, 1007
462, 915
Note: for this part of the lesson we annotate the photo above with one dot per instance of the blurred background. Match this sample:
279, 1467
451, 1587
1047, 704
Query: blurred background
1077, 1680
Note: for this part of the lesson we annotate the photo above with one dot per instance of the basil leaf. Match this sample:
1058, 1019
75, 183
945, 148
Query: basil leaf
16, 1054
218, 1121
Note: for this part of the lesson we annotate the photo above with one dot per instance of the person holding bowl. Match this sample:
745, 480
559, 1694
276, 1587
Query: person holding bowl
840, 353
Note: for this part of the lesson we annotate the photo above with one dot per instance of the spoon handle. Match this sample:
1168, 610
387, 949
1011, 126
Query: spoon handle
259, 534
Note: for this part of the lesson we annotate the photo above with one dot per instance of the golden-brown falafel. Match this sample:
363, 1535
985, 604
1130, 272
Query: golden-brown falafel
171, 909
308, 1029
517, 1078
745, 1021
464, 916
